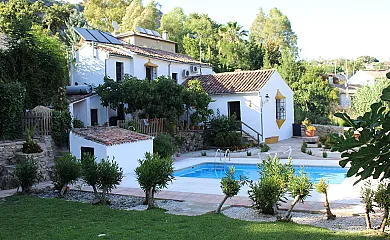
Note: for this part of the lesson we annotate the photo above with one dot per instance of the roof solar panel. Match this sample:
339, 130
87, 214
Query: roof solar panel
148, 31
141, 30
155, 33
84, 34
98, 36
111, 38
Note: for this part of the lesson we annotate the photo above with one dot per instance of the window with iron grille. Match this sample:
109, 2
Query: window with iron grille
281, 109
119, 72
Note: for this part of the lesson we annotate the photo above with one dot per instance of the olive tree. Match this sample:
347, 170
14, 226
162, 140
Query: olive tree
110, 175
230, 186
66, 170
323, 187
153, 174
300, 187
89, 172
382, 199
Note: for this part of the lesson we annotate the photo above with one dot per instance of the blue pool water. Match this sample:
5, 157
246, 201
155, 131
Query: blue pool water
333, 175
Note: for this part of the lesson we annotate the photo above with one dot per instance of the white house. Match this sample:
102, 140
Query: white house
102, 142
143, 54
261, 99
366, 77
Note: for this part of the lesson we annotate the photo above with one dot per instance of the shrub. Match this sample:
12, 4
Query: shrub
264, 147
303, 147
309, 152
324, 154
164, 145
330, 140
230, 186
26, 173
382, 198
77, 123
153, 174
12, 100
248, 153
89, 172
222, 132
30, 146
203, 153
110, 175
323, 187
300, 187
272, 185
66, 170
319, 145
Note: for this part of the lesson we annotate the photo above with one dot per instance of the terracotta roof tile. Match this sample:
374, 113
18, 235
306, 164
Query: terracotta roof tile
110, 135
233, 82
128, 49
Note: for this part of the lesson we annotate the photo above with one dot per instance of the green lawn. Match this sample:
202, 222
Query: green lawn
35, 218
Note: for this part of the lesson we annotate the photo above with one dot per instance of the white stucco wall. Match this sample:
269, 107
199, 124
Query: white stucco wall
82, 110
269, 109
127, 154
111, 66
166, 68
251, 112
76, 142
88, 69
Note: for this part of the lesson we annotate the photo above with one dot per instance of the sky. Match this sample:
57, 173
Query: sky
326, 28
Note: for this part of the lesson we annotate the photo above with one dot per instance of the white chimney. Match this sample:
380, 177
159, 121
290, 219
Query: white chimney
165, 35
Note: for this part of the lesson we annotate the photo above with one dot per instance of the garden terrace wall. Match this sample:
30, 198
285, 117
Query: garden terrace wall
191, 140
11, 153
323, 130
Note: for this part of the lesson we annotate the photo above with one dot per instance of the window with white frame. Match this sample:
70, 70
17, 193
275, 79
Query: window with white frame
281, 109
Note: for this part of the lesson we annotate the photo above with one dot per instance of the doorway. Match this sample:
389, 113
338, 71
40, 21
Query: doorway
234, 108
94, 117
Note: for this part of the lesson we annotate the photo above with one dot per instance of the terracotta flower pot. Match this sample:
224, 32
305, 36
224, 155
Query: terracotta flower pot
309, 133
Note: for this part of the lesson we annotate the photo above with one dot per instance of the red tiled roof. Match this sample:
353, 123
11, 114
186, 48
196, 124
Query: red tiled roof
110, 135
128, 49
233, 82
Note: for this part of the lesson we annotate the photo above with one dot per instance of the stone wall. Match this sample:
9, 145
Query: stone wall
11, 154
191, 140
323, 130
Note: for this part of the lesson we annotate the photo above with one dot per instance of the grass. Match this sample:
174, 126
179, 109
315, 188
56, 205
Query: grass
36, 218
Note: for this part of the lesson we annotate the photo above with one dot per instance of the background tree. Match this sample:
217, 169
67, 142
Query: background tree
133, 11
173, 22
149, 17
274, 32
101, 13
55, 17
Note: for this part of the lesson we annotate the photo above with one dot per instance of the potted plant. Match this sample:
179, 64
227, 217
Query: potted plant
310, 131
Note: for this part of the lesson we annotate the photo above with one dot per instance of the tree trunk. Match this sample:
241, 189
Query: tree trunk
103, 199
221, 204
329, 214
63, 189
95, 192
288, 214
146, 197
150, 199
384, 220
368, 219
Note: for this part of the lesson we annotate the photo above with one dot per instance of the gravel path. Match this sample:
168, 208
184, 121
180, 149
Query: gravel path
341, 223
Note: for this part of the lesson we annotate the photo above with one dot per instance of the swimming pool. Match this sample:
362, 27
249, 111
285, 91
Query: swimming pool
334, 175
